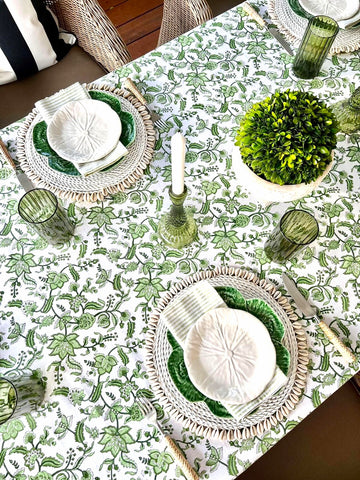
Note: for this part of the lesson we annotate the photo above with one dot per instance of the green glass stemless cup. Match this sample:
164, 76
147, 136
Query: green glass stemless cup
319, 35
19, 396
296, 230
41, 209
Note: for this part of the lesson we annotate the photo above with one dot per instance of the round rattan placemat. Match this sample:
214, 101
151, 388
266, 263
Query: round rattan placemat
292, 26
99, 185
195, 415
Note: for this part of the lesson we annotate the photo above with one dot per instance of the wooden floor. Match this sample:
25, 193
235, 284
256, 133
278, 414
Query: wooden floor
137, 21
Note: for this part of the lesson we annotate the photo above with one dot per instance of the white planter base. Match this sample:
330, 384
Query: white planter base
266, 192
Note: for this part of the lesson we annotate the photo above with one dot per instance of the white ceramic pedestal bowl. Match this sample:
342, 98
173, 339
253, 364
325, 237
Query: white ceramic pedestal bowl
266, 192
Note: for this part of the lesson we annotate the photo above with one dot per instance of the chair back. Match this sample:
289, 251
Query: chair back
180, 16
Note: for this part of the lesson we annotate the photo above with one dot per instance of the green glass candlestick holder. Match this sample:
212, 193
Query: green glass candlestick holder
177, 228
347, 113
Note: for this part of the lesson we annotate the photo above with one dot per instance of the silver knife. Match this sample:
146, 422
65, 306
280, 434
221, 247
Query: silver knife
274, 32
310, 311
24, 180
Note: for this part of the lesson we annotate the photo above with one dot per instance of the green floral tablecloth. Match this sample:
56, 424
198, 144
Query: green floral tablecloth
79, 313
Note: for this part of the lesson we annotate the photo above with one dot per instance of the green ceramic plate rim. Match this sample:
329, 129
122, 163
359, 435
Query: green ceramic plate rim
298, 9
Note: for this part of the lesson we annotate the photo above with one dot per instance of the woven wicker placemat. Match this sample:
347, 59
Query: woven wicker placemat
292, 26
99, 185
195, 415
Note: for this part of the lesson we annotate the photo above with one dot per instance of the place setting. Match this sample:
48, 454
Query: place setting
226, 355
86, 142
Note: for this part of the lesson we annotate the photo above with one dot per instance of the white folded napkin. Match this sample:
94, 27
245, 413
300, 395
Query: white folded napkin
184, 311
89, 168
49, 105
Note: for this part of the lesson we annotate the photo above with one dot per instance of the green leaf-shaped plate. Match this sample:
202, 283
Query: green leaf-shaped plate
298, 9
59, 164
128, 131
233, 299
106, 98
42, 146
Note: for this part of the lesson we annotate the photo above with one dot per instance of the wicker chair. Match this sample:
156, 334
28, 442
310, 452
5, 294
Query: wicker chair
93, 29
182, 15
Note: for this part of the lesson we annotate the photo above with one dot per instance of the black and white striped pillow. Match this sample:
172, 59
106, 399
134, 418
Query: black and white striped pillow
30, 39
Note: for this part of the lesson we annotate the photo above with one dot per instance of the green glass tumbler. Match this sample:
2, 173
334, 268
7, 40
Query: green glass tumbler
20, 396
296, 230
319, 35
41, 209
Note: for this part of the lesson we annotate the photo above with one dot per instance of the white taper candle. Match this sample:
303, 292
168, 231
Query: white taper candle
177, 163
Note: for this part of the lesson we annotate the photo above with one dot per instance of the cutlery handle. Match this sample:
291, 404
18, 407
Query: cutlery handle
340, 347
7, 154
253, 14
185, 466
130, 85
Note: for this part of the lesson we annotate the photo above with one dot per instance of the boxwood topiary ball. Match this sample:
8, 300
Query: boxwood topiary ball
288, 137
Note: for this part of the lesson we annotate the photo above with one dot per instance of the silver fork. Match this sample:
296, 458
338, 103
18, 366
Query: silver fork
155, 117
149, 412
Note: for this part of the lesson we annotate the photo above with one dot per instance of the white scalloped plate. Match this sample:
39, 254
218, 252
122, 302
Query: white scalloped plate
84, 131
336, 9
229, 355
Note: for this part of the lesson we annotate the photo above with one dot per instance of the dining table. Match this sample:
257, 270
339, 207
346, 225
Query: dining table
80, 313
